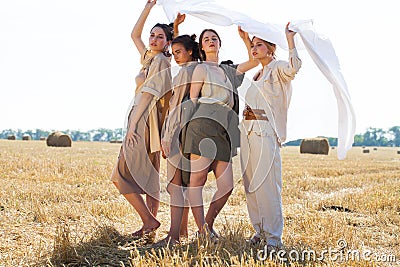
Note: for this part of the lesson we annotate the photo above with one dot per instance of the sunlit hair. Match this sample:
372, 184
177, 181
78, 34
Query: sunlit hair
270, 46
202, 53
190, 44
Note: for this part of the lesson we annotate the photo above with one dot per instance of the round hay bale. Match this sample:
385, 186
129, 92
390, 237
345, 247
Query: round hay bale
365, 151
52, 138
375, 148
59, 139
314, 146
26, 137
116, 141
11, 137
42, 138
398, 152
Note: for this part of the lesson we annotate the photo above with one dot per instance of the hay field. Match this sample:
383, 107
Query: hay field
58, 208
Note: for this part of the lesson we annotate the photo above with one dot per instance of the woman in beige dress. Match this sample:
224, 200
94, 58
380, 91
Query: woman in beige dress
137, 169
209, 138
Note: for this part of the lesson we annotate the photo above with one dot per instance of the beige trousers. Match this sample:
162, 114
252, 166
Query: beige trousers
262, 178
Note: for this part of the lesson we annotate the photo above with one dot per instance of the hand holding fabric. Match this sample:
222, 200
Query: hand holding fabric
289, 33
151, 3
244, 35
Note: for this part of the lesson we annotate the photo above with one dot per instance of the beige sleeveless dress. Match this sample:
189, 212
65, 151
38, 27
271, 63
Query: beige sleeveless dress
208, 132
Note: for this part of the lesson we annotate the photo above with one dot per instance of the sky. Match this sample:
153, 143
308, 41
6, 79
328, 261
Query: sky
71, 64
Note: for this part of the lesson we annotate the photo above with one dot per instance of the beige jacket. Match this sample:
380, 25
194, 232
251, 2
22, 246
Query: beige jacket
155, 78
180, 88
272, 93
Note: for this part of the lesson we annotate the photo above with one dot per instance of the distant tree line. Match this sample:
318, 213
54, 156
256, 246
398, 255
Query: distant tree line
96, 135
371, 137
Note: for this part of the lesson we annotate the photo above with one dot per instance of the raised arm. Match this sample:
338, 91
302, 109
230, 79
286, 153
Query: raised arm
251, 63
178, 20
288, 70
290, 37
138, 28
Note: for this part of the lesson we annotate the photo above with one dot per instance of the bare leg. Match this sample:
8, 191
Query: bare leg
153, 203
137, 202
176, 206
184, 224
149, 220
224, 174
198, 177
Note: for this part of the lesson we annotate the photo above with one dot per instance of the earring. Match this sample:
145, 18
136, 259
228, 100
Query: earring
166, 51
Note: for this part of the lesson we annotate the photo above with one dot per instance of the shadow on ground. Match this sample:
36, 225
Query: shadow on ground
107, 247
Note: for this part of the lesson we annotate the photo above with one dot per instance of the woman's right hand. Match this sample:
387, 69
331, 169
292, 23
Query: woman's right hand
166, 147
132, 136
151, 3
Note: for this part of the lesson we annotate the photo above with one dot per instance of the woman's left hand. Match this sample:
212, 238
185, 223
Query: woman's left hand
179, 19
288, 32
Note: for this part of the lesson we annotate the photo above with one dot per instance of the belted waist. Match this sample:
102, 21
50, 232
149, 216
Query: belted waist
254, 114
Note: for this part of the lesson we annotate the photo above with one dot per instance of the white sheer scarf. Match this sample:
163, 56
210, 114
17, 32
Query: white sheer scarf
318, 47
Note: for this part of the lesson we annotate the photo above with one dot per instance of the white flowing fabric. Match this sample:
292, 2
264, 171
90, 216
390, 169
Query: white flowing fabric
319, 48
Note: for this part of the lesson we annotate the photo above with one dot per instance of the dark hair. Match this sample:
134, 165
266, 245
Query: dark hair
201, 51
227, 62
168, 30
190, 44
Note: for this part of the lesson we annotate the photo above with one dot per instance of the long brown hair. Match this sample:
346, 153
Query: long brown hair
201, 51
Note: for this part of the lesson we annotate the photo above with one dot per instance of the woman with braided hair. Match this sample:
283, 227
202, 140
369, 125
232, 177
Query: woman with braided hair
186, 55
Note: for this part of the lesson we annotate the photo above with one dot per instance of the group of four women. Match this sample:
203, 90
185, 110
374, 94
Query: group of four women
193, 121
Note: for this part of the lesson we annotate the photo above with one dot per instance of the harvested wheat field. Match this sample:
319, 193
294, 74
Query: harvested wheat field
59, 208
